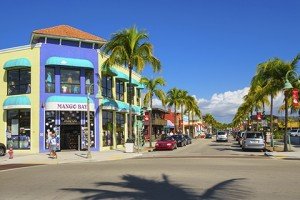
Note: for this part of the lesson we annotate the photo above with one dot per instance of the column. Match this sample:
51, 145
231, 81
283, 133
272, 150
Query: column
114, 129
126, 127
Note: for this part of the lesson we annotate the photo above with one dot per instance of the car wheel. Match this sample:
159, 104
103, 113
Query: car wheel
2, 151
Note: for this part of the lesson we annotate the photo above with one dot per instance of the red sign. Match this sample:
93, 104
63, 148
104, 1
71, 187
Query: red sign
258, 116
146, 118
295, 95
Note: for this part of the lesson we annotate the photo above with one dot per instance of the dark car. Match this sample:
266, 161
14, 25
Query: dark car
188, 139
208, 136
167, 143
2, 149
181, 141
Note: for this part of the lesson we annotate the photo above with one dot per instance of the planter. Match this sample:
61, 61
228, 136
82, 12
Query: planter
129, 147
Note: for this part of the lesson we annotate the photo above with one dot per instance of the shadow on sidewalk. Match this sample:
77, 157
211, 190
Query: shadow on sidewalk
135, 187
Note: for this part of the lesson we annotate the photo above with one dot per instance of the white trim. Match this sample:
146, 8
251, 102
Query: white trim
64, 106
9, 107
19, 48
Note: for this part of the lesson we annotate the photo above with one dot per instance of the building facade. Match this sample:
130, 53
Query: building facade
45, 88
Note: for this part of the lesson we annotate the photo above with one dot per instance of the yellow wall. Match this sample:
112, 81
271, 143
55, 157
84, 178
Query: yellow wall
33, 55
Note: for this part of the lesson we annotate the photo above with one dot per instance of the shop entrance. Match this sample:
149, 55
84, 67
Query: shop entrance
69, 135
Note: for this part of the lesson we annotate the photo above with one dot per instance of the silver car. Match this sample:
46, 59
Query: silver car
253, 140
221, 136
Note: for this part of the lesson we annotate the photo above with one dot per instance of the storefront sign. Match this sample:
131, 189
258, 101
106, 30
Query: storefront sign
68, 106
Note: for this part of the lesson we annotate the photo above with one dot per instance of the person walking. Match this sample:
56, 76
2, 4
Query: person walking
53, 143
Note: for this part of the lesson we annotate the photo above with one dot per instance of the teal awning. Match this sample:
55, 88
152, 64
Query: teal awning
141, 86
136, 109
69, 103
16, 102
72, 62
110, 71
122, 77
17, 63
122, 106
134, 82
109, 104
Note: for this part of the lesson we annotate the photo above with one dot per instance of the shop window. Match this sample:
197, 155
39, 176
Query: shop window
50, 80
107, 86
92, 128
50, 125
120, 128
89, 80
120, 90
18, 81
70, 43
107, 126
18, 129
130, 93
70, 81
138, 97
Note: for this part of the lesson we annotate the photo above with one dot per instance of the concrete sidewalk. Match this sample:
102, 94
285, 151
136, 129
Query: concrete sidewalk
293, 154
67, 157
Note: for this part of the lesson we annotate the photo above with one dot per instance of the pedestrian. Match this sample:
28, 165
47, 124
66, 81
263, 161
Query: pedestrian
53, 143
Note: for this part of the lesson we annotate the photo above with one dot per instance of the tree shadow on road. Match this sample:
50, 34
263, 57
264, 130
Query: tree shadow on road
135, 187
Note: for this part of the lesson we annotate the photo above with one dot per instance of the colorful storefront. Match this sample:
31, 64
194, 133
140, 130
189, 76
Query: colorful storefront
47, 84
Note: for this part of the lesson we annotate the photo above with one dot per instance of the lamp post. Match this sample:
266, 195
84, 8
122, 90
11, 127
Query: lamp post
98, 96
287, 86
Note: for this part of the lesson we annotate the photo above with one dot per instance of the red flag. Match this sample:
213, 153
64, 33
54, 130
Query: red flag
295, 94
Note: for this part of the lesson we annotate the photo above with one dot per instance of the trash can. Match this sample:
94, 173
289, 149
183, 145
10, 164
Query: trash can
129, 147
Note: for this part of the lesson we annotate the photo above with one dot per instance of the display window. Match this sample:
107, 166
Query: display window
18, 129
120, 128
107, 126
18, 81
130, 94
107, 86
70, 81
120, 90
50, 80
89, 80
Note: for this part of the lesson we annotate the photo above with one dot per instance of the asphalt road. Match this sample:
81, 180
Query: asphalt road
203, 170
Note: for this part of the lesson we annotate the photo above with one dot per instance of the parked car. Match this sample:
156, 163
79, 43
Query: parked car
181, 141
240, 138
208, 135
188, 139
294, 132
167, 143
253, 140
221, 136
2, 149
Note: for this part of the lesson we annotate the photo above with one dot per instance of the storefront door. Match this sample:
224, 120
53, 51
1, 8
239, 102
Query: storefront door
69, 137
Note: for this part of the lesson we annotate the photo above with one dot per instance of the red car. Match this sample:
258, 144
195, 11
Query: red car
167, 143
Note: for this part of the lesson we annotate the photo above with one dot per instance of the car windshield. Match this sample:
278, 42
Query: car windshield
166, 138
293, 130
255, 135
221, 133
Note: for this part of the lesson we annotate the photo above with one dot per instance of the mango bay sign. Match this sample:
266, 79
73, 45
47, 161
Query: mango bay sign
68, 106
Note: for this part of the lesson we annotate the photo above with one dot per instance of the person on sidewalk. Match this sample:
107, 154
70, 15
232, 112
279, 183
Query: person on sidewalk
53, 143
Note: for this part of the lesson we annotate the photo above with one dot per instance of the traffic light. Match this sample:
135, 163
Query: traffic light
295, 95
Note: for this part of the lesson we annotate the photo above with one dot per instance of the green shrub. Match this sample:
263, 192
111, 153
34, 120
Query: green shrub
278, 134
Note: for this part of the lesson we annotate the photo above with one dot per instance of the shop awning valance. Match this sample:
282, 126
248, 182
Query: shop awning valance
17, 63
122, 77
17, 102
109, 104
134, 82
110, 71
140, 86
69, 103
136, 109
69, 62
122, 106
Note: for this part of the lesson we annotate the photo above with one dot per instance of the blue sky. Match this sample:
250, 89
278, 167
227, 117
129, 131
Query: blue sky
208, 47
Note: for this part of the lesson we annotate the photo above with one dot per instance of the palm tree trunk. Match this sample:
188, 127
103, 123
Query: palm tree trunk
130, 103
150, 123
271, 115
175, 118
285, 120
193, 135
189, 123
182, 126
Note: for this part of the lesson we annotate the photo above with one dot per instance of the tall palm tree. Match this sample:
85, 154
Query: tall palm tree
130, 48
173, 100
152, 90
182, 98
191, 108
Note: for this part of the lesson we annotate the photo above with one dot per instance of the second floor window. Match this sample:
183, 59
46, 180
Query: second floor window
120, 90
89, 79
70, 81
50, 80
138, 97
107, 86
18, 81
131, 94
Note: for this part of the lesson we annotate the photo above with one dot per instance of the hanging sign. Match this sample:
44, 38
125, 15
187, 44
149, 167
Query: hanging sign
295, 95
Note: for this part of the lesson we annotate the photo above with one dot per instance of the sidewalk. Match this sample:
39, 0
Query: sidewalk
67, 157
293, 154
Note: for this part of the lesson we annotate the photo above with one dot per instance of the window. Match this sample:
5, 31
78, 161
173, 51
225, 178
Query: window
130, 93
86, 45
18, 81
70, 43
70, 81
92, 128
120, 128
120, 90
107, 86
138, 97
53, 41
107, 125
18, 129
89, 79
50, 80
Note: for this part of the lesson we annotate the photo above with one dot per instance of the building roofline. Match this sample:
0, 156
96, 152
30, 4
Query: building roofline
20, 48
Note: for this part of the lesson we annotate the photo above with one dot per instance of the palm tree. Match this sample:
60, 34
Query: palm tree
130, 48
152, 87
182, 98
191, 108
173, 100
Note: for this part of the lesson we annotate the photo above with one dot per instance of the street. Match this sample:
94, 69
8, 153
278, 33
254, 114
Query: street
202, 170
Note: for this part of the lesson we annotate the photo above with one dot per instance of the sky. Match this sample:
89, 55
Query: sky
208, 47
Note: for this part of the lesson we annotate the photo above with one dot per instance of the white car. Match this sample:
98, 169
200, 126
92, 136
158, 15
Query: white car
221, 136
294, 132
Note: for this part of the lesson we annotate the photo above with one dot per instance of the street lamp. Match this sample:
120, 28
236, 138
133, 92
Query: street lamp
98, 96
287, 86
